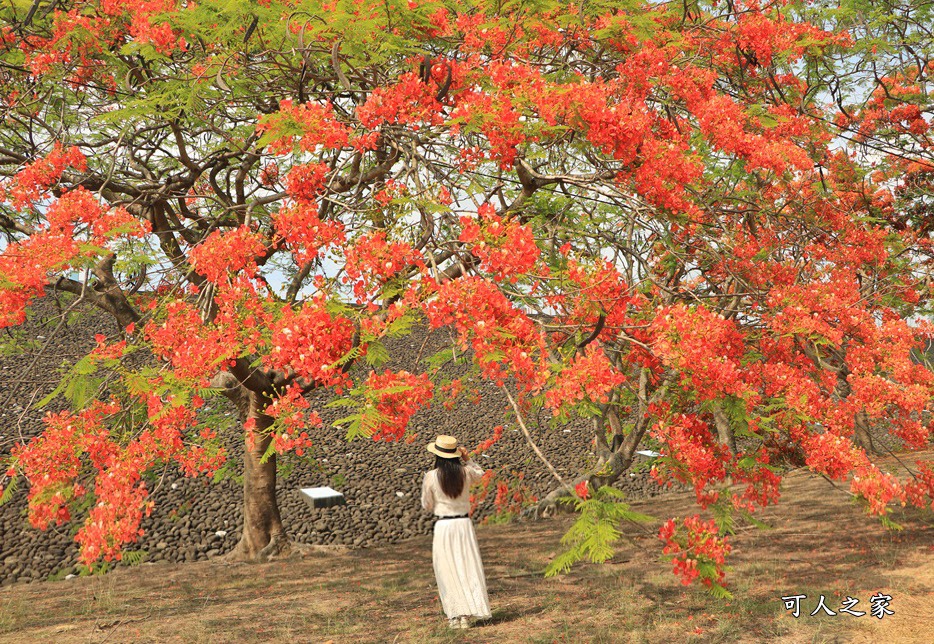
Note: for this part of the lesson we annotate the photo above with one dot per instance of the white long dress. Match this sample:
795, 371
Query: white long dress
454, 552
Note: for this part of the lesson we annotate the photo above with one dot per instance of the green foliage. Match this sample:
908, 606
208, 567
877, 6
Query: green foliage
134, 557
442, 357
715, 590
9, 490
724, 516
376, 354
595, 533
889, 524
227, 471
16, 341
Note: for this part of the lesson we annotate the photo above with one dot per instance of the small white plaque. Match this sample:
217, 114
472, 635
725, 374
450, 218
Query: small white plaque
648, 452
322, 497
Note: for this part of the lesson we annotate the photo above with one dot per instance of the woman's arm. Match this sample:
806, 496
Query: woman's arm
428, 495
473, 471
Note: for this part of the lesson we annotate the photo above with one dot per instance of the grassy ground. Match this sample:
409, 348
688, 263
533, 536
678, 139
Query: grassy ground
820, 543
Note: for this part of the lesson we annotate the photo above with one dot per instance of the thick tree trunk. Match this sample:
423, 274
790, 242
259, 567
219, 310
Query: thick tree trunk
263, 535
863, 435
724, 428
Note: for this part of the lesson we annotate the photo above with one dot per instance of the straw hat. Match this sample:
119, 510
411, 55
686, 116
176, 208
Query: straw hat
444, 446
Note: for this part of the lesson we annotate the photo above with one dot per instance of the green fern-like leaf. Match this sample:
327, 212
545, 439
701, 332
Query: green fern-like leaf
595, 533
724, 518
888, 524
376, 354
719, 592
135, 557
9, 490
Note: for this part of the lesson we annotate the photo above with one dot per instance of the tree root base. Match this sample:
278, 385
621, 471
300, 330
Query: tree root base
280, 549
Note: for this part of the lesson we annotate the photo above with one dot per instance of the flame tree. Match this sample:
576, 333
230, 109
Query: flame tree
700, 225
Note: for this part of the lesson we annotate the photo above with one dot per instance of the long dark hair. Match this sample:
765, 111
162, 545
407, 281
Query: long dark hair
450, 475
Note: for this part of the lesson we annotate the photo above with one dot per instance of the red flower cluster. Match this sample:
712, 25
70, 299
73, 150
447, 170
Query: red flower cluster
313, 124
143, 25
589, 376
194, 350
104, 351
878, 488
762, 484
222, 253
372, 260
306, 182
161, 36
244, 315
33, 181
691, 455
269, 175
505, 250
396, 396
25, 265
291, 421
452, 391
305, 233
700, 543
74, 43
408, 102
594, 290
497, 118
77, 213
52, 463
504, 339
833, 455
705, 347
309, 342
24, 271
920, 491
56, 462
512, 493
491, 441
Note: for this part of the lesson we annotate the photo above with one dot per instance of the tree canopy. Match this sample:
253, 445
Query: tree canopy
702, 225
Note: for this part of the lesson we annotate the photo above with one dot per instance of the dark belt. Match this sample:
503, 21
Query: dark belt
459, 516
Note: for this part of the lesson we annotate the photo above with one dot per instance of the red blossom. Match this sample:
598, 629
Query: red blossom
309, 342
222, 253
505, 250
195, 350
698, 543
75, 444
313, 124
590, 376
396, 397
505, 341
32, 182
408, 102
372, 260
292, 420
306, 234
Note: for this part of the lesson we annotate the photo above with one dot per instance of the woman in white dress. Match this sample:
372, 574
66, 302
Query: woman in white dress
454, 553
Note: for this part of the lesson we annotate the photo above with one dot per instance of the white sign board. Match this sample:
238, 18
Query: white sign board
322, 497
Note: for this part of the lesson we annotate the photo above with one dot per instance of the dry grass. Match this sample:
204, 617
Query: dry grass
820, 543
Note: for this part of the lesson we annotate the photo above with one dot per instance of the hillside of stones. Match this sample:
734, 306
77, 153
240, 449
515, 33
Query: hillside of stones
196, 518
